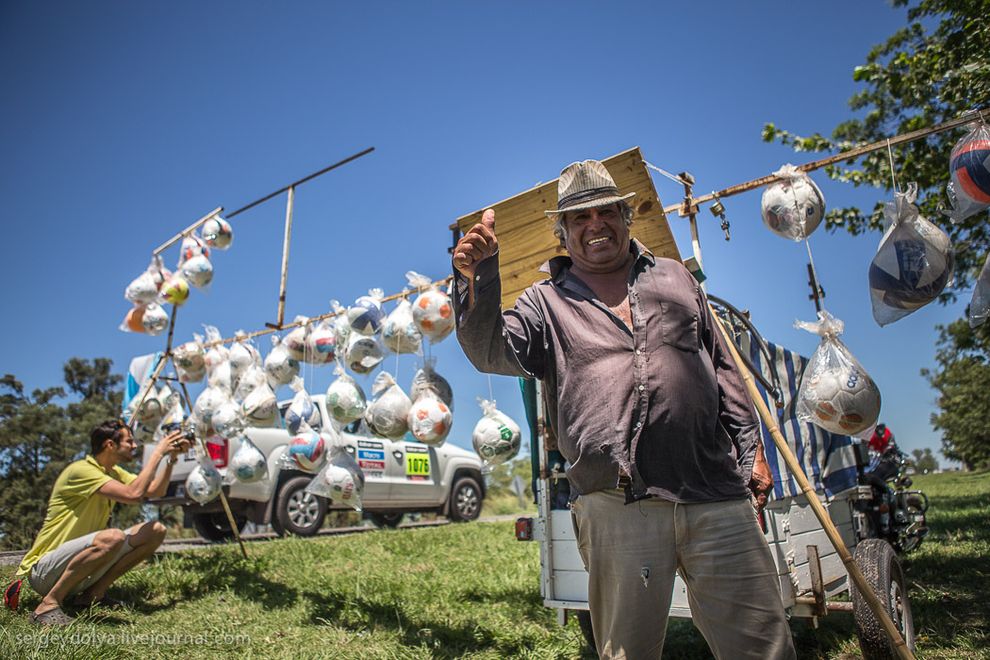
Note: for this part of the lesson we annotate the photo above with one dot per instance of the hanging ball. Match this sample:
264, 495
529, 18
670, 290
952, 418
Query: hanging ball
970, 169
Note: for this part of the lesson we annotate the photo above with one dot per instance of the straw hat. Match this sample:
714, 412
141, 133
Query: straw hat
585, 185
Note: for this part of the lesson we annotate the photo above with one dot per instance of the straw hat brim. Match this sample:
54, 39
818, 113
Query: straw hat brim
591, 204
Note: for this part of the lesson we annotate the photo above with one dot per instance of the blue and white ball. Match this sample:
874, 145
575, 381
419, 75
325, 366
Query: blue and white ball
308, 451
365, 316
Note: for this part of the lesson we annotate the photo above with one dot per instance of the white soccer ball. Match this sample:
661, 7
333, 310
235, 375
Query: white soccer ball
203, 483
429, 420
342, 486
248, 463
433, 315
793, 207
843, 401
496, 438
346, 400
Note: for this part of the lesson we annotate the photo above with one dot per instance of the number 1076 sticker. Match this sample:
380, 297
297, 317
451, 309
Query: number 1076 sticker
417, 465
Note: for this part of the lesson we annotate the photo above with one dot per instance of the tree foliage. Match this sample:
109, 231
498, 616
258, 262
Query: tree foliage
924, 461
933, 70
962, 381
41, 433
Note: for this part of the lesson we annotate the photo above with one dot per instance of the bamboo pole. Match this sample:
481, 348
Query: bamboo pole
286, 240
188, 230
684, 208
900, 647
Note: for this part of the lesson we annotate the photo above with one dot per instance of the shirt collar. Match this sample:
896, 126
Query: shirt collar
557, 267
92, 460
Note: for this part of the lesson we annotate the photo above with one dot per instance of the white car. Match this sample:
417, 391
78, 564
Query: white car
401, 477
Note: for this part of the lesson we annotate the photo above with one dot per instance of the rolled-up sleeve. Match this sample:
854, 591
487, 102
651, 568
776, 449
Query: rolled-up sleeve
735, 407
509, 343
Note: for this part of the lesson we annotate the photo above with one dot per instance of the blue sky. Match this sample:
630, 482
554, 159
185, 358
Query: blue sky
121, 123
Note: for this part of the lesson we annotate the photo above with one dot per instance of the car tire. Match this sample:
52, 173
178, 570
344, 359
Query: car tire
297, 511
215, 527
390, 520
465, 500
882, 570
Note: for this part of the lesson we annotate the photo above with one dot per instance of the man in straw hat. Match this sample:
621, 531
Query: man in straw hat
650, 412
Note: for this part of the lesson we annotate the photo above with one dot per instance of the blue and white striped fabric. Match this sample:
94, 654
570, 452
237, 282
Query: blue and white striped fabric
138, 374
829, 460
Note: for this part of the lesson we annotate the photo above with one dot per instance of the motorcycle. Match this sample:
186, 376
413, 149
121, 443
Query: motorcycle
894, 513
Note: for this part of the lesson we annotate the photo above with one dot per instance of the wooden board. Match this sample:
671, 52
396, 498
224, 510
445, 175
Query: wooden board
525, 233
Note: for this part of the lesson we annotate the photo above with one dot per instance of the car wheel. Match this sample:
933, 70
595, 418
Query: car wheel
465, 500
391, 520
882, 570
215, 527
297, 511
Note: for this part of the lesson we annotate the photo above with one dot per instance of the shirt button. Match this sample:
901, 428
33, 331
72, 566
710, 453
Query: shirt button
642, 387
477, 278
638, 351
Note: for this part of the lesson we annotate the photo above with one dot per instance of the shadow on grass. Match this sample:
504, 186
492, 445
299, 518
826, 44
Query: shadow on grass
202, 574
359, 614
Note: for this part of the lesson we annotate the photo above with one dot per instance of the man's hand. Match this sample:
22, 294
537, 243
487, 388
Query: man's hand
170, 444
762, 481
476, 245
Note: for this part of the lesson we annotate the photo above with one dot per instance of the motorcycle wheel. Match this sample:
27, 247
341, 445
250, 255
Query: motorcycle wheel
882, 570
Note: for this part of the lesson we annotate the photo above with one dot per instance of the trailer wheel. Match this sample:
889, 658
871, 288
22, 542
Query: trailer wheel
879, 564
584, 622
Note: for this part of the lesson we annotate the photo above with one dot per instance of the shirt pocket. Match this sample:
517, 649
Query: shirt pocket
680, 326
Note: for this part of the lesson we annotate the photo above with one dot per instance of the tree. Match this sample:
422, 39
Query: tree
962, 381
917, 78
40, 436
924, 461
933, 70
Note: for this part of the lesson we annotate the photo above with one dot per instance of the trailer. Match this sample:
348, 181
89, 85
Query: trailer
814, 573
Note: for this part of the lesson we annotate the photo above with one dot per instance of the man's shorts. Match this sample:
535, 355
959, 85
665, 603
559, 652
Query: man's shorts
52, 564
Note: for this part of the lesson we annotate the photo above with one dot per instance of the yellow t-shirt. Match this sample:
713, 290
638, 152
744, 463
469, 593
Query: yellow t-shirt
75, 508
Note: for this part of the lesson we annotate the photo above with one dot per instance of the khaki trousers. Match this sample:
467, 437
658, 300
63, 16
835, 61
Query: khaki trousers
632, 552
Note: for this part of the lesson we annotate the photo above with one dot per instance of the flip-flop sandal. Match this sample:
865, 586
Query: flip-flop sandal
53, 617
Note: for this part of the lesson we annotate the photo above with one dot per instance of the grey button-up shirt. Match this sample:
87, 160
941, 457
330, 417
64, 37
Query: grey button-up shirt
662, 404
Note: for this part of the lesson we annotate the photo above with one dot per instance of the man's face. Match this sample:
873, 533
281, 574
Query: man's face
124, 451
597, 239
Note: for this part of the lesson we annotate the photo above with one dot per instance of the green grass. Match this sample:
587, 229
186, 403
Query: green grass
457, 591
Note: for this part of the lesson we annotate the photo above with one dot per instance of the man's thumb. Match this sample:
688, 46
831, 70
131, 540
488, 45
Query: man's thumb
488, 219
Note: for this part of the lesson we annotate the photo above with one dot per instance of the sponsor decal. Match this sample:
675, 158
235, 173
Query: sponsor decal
370, 444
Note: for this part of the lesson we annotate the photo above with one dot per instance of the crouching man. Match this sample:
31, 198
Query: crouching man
75, 554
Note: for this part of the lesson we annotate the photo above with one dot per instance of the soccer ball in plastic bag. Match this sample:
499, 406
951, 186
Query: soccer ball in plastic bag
175, 291
320, 345
388, 414
430, 419
260, 407
308, 450
496, 436
340, 480
227, 420
248, 463
433, 315
142, 289
793, 206
363, 353
846, 401
155, 319
280, 366
969, 168
203, 483
217, 232
207, 403
365, 316
198, 271
346, 400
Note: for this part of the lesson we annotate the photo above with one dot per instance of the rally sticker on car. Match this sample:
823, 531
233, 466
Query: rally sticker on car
370, 444
417, 463
371, 460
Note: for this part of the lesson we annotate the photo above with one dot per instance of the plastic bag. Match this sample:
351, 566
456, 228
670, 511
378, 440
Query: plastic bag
496, 436
399, 331
308, 450
365, 316
144, 288
204, 482
979, 306
430, 419
345, 398
258, 402
969, 169
227, 419
208, 401
913, 263
243, 356
295, 341
363, 353
280, 366
428, 379
432, 311
198, 271
341, 326
175, 290
217, 232
836, 392
248, 464
321, 344
190, 360
193, 246
302, 410
341, 481
388, 414
153, 319
217, 352
793, 206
